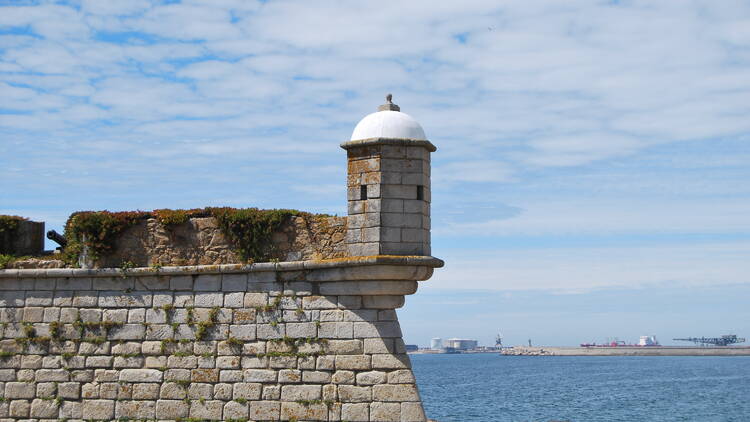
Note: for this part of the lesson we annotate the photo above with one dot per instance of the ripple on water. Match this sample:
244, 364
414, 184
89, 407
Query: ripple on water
493, 388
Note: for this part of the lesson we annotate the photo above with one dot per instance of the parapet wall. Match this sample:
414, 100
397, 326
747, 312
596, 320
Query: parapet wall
292, 341
21, 237
200, 241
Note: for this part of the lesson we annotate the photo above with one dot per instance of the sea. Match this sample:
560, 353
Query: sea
489, 387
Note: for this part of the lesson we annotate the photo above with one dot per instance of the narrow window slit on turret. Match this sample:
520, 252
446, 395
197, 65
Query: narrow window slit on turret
363, 192
420, 192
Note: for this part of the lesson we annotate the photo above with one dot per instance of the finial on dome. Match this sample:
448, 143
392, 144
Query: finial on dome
389, 106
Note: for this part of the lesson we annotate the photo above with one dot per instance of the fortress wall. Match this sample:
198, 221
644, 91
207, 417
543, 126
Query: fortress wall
304, 341
200, 241
26, 239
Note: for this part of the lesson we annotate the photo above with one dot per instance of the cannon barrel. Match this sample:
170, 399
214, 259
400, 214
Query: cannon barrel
57, 238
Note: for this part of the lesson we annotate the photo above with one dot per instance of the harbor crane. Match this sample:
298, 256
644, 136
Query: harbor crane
725, 340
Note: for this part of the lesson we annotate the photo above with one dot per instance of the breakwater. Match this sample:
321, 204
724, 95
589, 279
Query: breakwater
626, 351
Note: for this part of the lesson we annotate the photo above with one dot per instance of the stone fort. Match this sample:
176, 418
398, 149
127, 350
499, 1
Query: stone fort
184, 316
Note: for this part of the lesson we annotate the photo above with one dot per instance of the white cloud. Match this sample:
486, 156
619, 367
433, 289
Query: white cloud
209, 69
51, 21
44, 58
329, 190
473, 171
577, 269
568, 111
114, 8
607, 217
580, 148
186, 22
545, 75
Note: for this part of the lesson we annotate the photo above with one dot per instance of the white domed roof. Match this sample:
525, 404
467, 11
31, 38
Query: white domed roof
388, 124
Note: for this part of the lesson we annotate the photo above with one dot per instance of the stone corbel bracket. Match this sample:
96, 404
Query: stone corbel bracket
382, 280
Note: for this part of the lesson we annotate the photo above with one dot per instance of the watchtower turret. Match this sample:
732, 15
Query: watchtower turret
388, 185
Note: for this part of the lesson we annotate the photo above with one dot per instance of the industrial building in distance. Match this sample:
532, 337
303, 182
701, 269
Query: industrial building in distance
647, 345
725, 345
452, 345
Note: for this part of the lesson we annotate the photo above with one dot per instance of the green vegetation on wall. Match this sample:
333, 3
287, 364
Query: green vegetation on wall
170, 218
8, 227
250, 229
9, 223
6, 260
97, 230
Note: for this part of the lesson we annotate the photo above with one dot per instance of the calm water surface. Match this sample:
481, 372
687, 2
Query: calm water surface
489, 387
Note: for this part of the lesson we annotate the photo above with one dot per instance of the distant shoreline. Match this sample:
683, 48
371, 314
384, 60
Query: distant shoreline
627, 351
603, 351
458, 352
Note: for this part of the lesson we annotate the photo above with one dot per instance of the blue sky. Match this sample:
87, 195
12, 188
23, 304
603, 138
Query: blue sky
593, 155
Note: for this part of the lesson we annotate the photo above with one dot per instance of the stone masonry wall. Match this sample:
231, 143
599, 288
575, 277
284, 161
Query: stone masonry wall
200, 241
26, 239
388, 196
297, 341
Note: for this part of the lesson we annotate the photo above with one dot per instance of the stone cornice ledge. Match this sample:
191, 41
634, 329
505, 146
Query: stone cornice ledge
386, 268
389, 141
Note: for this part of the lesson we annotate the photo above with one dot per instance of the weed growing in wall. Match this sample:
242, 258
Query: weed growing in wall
6, 260
169, 218
250, 229
97, 230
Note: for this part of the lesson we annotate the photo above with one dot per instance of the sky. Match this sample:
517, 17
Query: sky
591, 178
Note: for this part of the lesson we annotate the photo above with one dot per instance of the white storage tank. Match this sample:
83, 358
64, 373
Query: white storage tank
436, 343
461, 343
648, 341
